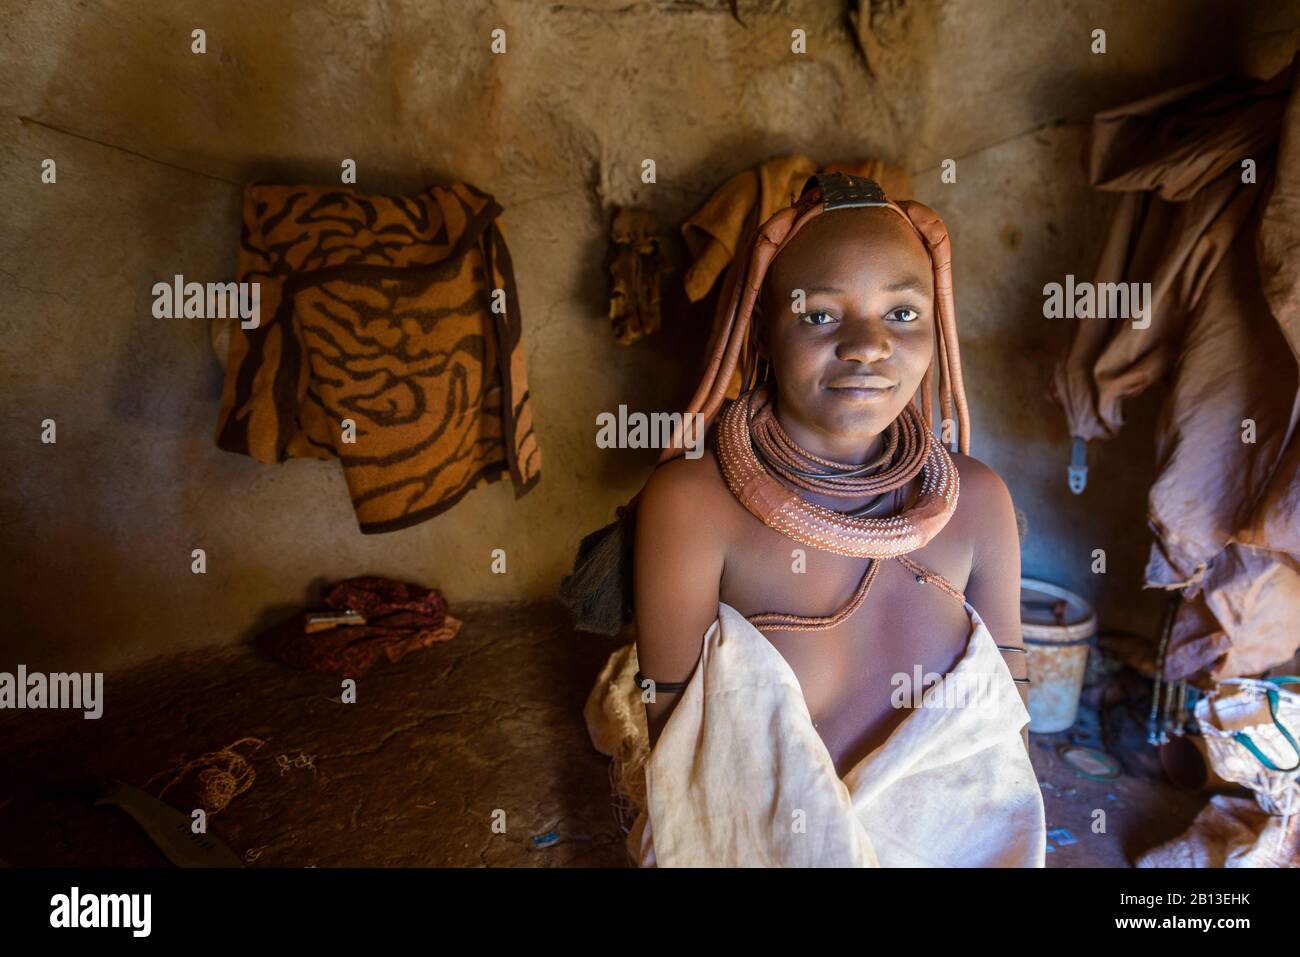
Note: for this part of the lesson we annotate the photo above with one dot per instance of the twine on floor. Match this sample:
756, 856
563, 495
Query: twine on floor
223, 775
301, 761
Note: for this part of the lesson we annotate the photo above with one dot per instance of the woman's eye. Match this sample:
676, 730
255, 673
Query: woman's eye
905, 309
812, 318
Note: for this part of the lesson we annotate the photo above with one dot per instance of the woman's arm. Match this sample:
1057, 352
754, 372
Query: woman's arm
677, 570
994, 586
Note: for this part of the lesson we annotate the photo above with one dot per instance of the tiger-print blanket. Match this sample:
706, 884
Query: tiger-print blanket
398, 316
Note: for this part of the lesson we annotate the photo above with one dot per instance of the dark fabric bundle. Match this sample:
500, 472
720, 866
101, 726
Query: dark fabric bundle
400, 618
599, 591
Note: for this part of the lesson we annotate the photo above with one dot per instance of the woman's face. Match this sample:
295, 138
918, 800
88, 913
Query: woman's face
853, 358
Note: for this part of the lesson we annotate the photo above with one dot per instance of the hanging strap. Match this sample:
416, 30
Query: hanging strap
926, 577
780, 621
1242, 738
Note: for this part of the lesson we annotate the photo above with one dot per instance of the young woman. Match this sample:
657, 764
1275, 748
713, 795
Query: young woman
826, 522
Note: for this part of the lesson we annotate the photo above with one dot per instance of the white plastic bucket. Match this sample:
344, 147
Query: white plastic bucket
1057, 626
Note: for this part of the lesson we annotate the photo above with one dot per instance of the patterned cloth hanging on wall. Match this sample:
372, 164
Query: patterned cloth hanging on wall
390, 338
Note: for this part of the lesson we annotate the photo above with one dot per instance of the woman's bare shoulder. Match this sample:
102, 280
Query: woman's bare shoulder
681, 542
988, 517
687, 486
980, 484
683, 529
985, 510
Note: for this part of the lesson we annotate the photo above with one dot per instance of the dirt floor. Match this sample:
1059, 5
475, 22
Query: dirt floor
470, 753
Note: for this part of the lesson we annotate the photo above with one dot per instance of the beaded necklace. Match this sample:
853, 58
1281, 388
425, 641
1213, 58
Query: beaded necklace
753, 449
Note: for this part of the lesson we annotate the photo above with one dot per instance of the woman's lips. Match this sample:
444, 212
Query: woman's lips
871, 387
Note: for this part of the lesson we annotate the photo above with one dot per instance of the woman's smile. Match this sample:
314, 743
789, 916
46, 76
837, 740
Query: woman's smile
869, 388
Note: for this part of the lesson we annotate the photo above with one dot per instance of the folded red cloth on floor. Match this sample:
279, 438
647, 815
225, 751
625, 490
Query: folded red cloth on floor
400, 617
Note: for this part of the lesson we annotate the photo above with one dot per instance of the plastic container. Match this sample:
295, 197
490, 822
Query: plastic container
1057, 626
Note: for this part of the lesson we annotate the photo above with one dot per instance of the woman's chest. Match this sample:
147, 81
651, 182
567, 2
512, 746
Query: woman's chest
855, 676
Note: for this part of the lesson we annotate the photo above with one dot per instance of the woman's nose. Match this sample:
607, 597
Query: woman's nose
864, 341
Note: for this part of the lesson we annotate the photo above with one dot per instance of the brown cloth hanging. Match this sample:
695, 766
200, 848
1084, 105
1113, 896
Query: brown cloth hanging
1221, 256
636, 263
393, 317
